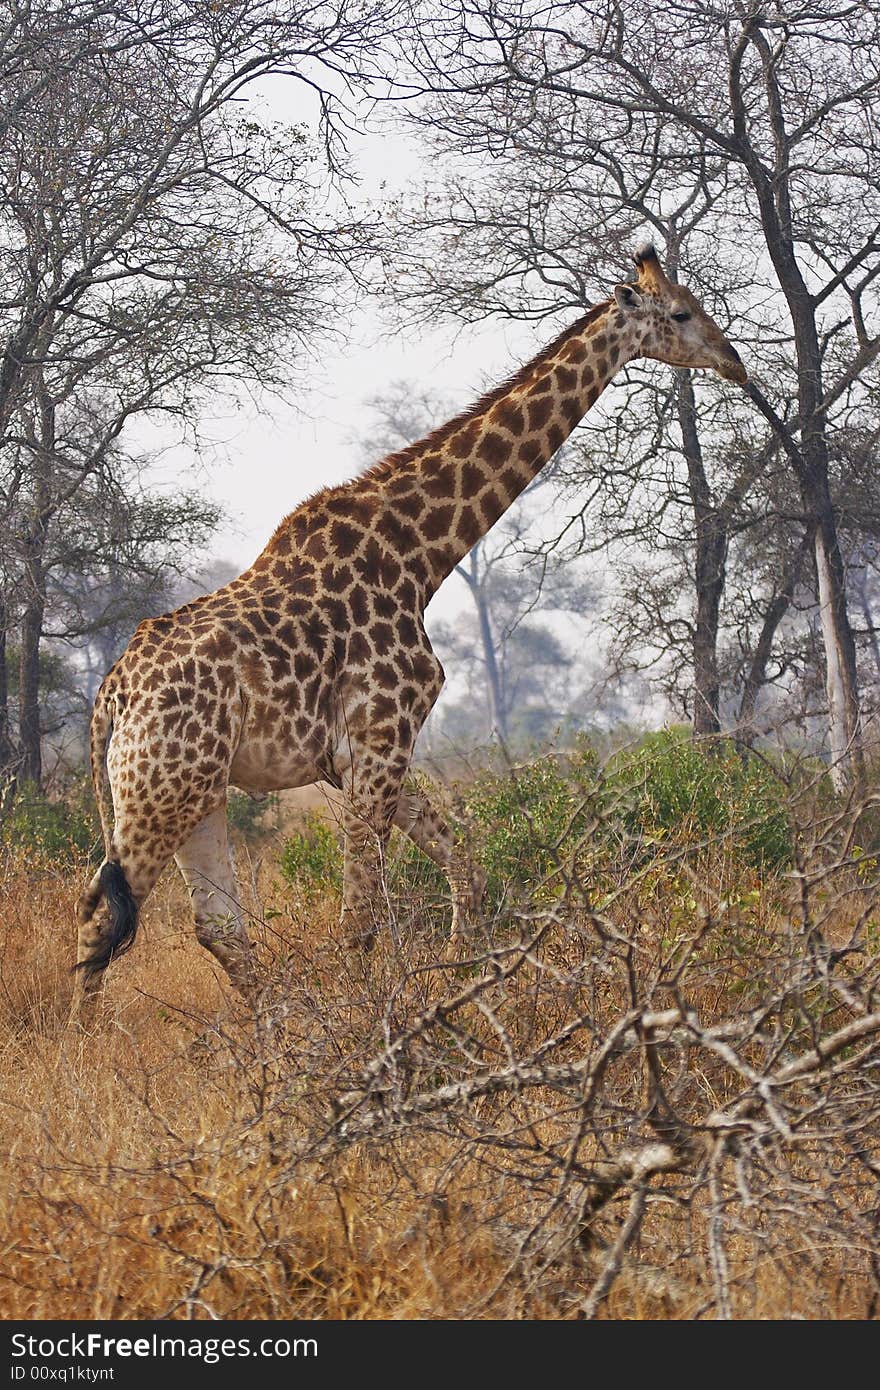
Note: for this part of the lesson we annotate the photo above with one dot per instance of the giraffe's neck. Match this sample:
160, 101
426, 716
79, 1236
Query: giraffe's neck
454, 485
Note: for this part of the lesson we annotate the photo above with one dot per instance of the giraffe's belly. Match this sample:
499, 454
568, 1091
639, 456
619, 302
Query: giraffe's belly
283, 743
254, 769
272, 755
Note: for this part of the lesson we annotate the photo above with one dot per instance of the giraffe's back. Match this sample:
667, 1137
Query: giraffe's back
262, 682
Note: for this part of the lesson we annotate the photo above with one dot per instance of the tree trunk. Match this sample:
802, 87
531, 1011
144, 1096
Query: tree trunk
773, 191
811, 465
494, 693
34, 586
8, 754
710, 559
868, 615
475, 581
841, 681
757, 676
30, 732
711, 554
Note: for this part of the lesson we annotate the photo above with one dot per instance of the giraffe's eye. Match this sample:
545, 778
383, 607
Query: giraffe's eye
682, 316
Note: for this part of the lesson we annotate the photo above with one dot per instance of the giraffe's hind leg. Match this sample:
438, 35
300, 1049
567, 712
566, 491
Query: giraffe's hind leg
205, 861
430, 832
115, 894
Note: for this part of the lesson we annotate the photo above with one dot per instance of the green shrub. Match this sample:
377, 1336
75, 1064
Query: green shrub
247, 814
311, 861
311, 858
525, 821
673, 787
411, 874
523, 824
63, 827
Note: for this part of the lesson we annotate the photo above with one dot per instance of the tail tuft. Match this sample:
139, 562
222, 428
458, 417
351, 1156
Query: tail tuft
123, 914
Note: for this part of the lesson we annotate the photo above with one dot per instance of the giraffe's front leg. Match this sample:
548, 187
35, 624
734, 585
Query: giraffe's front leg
364, 892
371, 779
430, 832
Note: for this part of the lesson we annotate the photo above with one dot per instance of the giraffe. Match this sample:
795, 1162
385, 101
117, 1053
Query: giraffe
314, 664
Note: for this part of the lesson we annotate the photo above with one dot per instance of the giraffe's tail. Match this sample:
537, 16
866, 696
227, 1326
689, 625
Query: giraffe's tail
109, 882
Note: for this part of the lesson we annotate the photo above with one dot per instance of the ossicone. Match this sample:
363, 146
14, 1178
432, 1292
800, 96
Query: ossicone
645, 254
650, 274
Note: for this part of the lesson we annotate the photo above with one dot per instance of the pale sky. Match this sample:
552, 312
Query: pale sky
266, 463
263, 464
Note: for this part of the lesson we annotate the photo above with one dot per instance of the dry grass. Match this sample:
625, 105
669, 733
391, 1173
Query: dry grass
405, 1140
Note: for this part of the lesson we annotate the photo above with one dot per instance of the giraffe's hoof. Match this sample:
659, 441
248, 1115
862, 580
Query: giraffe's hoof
201, 1050
479, 880
457, 951
360, 942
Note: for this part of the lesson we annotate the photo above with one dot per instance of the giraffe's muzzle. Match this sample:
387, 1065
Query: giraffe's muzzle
730, 365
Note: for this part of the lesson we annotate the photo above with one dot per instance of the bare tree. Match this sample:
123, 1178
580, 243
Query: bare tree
156, 564
525, 679
753, 130
125, 127
160, 243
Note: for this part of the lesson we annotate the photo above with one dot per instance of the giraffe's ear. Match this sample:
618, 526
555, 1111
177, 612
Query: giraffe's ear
627, 296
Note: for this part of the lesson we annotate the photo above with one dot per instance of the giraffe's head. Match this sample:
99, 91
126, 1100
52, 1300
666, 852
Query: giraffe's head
672, 326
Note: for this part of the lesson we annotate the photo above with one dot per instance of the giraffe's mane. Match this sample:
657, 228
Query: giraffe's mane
386, 467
